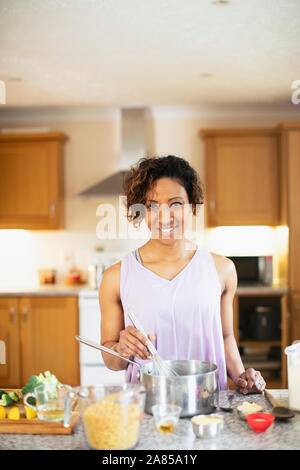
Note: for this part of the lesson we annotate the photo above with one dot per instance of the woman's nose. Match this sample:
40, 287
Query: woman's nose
165, 214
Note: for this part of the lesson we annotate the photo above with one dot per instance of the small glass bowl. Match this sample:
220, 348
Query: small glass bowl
260, 422
166, 417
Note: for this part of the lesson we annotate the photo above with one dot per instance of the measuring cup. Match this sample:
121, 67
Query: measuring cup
293, 366
111, 414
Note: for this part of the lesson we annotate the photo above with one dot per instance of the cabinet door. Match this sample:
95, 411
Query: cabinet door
10, 343
293, 145
30, 184
295, 321
48, 329
242, 174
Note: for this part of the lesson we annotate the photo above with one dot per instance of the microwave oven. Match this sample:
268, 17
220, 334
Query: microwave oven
253, 269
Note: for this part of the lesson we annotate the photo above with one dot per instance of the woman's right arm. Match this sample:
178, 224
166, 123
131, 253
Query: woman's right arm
126, 341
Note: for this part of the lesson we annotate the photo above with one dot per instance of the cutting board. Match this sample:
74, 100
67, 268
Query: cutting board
34, 425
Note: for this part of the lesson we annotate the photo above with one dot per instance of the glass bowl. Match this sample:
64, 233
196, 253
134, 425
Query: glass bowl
166, 417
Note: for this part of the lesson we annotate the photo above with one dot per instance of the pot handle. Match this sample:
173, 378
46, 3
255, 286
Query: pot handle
90, 343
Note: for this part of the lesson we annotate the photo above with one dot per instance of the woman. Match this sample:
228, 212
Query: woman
181, 292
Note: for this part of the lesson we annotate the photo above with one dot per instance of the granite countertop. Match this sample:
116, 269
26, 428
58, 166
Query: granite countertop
282, 435
65, 290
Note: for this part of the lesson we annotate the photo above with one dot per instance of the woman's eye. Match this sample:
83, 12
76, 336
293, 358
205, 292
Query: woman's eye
153, 206
177, 202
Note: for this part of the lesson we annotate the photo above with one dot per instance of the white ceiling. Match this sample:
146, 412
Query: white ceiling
149, 52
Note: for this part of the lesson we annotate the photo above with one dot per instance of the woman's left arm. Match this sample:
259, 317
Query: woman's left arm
249, 381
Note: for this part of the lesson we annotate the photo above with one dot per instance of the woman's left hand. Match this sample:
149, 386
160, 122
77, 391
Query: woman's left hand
250, 381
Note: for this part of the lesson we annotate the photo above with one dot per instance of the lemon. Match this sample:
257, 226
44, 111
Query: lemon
2, 412
30, 413
14, 413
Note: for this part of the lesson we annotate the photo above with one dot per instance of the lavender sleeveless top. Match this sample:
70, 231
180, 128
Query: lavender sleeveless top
183, 313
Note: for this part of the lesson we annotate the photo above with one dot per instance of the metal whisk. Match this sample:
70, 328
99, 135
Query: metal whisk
159, 365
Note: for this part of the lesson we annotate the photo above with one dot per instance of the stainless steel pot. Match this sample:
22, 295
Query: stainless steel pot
195, 389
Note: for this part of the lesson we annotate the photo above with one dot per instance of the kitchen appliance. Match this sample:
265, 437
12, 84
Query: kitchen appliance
253, 269
133, 146
264, 323
92, 367
195, 388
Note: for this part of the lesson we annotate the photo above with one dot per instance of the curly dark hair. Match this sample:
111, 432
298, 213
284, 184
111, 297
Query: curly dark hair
143, 175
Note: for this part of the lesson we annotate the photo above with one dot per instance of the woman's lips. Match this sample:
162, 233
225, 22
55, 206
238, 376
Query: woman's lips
167, 229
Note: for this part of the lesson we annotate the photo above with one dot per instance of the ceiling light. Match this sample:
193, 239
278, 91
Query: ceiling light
14, 79
206, 75
220, 2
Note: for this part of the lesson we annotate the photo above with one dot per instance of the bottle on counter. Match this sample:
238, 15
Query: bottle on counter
92, 276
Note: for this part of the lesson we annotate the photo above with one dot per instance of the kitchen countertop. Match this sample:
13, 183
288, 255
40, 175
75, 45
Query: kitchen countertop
45, 290
282, 435
258, 289
65, 290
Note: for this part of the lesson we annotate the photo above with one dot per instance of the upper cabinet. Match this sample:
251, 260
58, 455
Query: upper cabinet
242, 177
31, 181
290, 175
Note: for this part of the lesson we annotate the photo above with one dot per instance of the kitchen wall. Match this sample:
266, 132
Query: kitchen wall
92, 153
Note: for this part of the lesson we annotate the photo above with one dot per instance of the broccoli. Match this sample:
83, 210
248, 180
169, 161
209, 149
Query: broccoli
14, 396
2, 392
31, 384
31, 401
48, 379
6, 400
51, 383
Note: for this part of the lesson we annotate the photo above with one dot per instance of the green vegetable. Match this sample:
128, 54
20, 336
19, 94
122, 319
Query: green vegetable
49, 380
14, 396
2, 392
6, 400
51, 383
31, 401
31, 384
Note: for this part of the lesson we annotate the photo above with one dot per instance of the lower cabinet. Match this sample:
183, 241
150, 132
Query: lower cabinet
39, 334
295, 308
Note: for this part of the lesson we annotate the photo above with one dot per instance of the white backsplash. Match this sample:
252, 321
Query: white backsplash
23, 252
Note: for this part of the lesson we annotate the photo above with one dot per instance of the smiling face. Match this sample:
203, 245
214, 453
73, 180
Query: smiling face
167, 206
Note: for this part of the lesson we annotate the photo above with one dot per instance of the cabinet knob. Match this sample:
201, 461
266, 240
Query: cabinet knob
12, 312
25, 314
52, 208
212, 204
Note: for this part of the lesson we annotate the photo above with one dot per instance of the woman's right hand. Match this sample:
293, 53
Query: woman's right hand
133, 343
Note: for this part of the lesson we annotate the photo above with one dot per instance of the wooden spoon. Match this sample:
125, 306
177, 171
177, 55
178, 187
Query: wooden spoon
280, 412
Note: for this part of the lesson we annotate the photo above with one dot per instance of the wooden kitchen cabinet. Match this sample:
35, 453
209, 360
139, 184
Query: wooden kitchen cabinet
31, 181
290, 175
43, 339
10, 372
295, 316
290, 214
242, 177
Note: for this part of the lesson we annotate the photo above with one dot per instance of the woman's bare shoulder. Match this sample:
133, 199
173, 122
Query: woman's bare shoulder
110, 279
225, 268
222, 261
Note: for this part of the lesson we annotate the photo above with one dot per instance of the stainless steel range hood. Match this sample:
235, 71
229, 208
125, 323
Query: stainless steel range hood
133, 147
